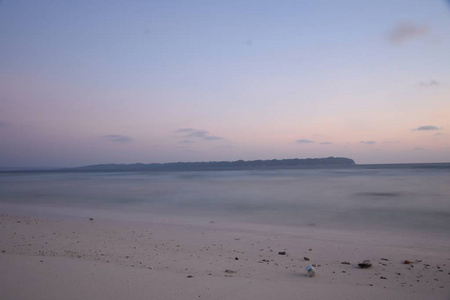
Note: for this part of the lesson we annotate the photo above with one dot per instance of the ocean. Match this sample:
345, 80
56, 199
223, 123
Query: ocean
407, 197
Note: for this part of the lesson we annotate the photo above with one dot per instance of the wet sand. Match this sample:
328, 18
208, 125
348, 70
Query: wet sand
46, 257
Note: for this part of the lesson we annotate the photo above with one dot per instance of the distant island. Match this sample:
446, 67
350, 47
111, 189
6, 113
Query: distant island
295, 163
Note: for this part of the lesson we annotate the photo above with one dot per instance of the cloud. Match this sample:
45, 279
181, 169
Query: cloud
368, 142
196, 133
432, 82
326, 143
224, 147
426, 128
193, 132
391, 142
186, 142
304, 141
212, 138
406, 31
118, 138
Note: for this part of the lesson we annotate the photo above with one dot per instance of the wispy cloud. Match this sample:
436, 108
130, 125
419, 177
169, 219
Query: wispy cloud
426, 128
432, 82
304, 141
118, 138
326, 143
186, 142
437, 136
368, 142
193, 132
391, 142
224, 146
401, 33
212, 138
199, 134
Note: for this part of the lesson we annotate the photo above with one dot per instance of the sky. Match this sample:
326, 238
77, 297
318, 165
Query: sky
94, 81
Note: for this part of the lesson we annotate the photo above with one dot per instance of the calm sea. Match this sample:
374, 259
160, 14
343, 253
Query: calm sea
380, 197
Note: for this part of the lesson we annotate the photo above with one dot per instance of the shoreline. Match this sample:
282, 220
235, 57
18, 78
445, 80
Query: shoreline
109, 259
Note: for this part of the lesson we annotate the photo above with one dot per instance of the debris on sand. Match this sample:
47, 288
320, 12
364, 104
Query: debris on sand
306, 258
345, 262
282, 252
310, 271
408, 262
365, 264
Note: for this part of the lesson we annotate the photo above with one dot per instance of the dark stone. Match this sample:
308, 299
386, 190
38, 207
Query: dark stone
282, 252
365, 264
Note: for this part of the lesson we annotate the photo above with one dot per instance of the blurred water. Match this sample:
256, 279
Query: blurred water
413, 197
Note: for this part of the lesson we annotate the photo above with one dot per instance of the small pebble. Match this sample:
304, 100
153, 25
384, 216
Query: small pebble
365, 264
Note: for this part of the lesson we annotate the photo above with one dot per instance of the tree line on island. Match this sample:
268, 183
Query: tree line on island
295, 163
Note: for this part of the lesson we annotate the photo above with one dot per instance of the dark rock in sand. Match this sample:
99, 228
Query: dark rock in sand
345, 262
282, 252
365, 264
409, 262
306, 258
91, 219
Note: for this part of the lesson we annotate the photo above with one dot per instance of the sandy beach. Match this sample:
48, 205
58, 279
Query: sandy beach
50, 257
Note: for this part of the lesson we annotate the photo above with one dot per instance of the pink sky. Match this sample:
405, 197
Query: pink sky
112, 83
